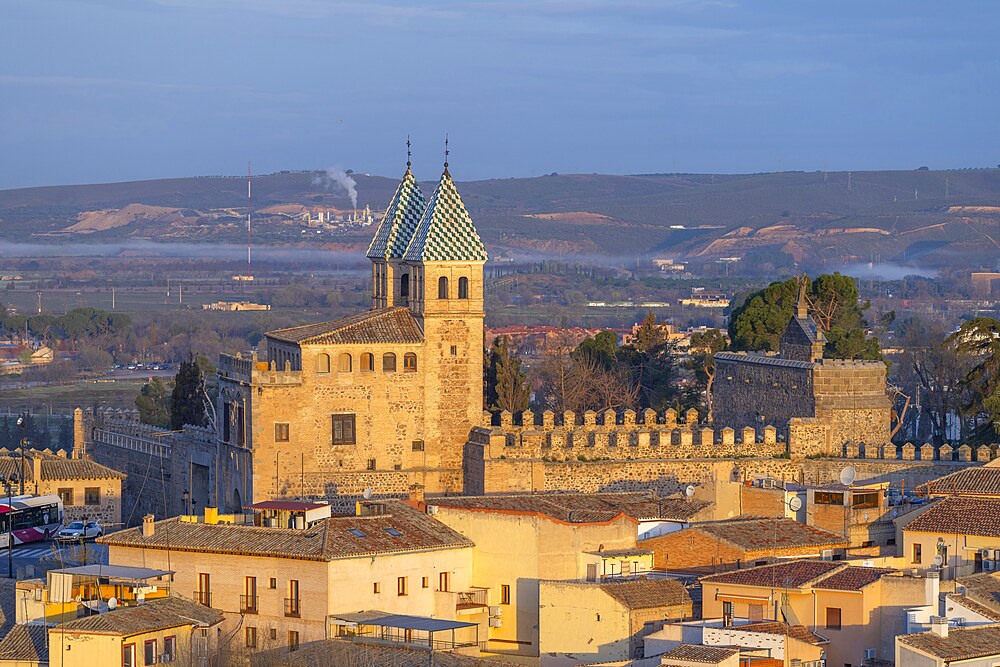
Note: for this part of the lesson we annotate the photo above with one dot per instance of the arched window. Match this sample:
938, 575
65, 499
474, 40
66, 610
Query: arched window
410, 362
442, 287
367, 362
389, 362
404, 285
323, 363
463, 288
344, 363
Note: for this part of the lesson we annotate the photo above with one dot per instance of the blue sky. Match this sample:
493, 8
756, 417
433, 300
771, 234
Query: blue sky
104, 90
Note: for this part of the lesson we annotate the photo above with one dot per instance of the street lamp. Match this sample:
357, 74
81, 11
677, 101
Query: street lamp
22, 421
185, 496
8, 482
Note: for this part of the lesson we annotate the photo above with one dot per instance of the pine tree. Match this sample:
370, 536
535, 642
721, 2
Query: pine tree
507, 384
649, 335
187, 401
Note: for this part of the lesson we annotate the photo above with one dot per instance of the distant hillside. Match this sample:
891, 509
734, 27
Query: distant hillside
814, 217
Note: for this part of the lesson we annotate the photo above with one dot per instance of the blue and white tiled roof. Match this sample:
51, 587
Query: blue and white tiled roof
400, 221
446, 232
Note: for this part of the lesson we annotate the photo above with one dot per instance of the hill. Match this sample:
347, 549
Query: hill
923, 216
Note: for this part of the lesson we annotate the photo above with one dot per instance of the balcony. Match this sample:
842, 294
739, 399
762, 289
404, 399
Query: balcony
472, 600
292, 607
203, 597
248, 604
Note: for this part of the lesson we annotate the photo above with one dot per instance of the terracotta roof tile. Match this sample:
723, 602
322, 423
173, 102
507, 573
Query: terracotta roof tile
758, 534
960, 516
852, 578
57, 468
975, 481
983, 589
386, 325
647, 593
401, 529
25, 643
583, 507
960, 644
800, 632
791, 574
345, 652
710, 655
975, 606
151, 616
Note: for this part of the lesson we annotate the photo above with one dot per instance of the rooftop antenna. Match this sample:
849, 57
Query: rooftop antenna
408, 152
249, 270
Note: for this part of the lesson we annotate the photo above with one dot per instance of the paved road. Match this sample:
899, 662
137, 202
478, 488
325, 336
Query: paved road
36, 558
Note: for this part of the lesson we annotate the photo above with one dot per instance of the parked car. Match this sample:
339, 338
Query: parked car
80, 530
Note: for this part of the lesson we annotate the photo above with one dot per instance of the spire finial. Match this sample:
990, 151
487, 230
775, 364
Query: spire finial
446, 152
407, 151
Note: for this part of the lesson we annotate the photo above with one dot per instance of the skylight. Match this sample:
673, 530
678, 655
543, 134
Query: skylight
393, 532
356, 532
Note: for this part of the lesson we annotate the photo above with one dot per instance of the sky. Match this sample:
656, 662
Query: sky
108, 90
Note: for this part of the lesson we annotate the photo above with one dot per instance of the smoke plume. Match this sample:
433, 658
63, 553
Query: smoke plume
334, 176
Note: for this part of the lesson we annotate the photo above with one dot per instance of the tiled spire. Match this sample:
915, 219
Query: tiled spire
446, 232
401, 218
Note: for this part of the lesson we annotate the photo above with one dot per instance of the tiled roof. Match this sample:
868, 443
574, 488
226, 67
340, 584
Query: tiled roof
400, 221
647, 593
583, 507
762, 359
760, 534
800, 632
960, 516
976, 481
446, 231
983, 590
329, 539
344, 652
151, 616
975, 607
25, 643
710, 655
960, 644
55, 467
807, 326
386, 325
821, 574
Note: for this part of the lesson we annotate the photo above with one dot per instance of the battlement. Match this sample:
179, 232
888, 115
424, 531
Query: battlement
611, 435
252, 371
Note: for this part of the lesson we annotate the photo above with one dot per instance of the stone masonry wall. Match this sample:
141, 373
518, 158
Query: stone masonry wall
746, 393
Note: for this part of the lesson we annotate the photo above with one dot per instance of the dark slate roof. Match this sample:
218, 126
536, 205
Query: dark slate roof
150, 616
807, 327
821, 574
960, 516
385, 325
762, 359
648, 593
582, 507
768, 533
329, 539
960, 644
25, 643
710, 655
976, 481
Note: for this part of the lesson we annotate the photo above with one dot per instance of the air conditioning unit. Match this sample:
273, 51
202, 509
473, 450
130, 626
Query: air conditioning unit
989, 565
496, 612
986, 554
432, 509
496, 622
871, 653
996, 554
826, 554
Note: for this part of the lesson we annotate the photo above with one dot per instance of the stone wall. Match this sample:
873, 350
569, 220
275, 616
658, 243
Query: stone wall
761, 390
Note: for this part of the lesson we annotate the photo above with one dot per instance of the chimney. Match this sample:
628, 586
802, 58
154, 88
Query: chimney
417, 494
148, 525
932, 588
36, 467
939, 626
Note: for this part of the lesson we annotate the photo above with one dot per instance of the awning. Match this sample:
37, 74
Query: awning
115, 572
401, 621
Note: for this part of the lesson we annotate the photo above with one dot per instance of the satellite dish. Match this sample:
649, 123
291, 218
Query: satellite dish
367, 493
689, 490
112, 603
938, 560
795, 503
848, 475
